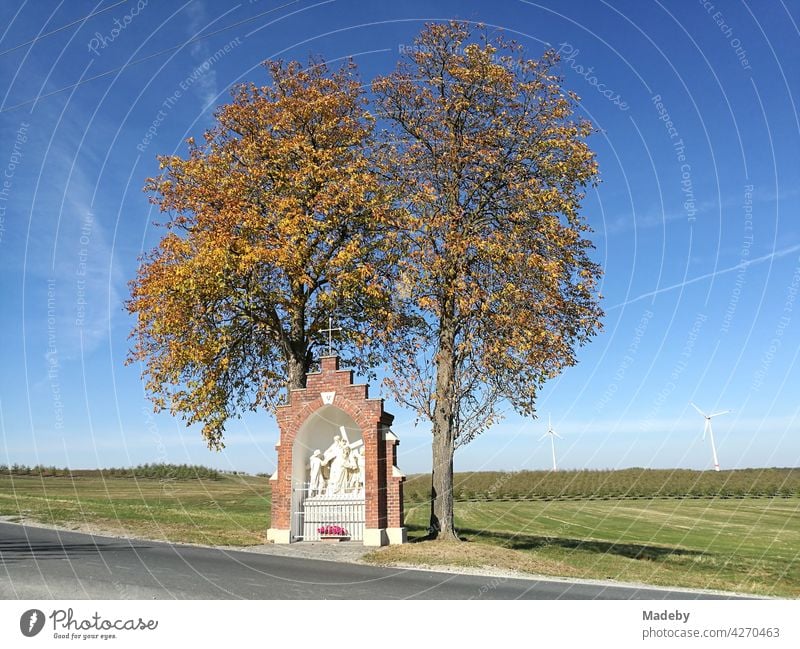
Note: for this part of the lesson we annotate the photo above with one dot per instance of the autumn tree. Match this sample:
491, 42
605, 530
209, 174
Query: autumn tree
273, 224
485, 157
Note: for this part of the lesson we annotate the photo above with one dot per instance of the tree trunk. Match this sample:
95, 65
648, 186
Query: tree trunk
296, 347
442, 523
296, 371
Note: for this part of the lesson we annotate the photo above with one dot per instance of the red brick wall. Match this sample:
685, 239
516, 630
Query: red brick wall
394, 488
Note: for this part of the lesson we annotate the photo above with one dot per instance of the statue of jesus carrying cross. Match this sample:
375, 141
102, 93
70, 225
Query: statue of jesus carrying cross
337, 455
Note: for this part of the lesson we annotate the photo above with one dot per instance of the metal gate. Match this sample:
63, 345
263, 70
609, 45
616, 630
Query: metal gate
312, 515
299, 494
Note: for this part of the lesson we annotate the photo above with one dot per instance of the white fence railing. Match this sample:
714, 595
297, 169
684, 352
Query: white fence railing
323, 511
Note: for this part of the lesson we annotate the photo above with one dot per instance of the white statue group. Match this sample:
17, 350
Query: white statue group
339, 470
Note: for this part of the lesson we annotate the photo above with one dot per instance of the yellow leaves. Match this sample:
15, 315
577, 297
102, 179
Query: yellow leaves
288, 209
487, 159
274, 215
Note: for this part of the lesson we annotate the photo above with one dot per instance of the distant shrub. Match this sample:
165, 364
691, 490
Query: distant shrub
173, 471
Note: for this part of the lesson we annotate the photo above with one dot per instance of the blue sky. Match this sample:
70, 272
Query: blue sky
696, 219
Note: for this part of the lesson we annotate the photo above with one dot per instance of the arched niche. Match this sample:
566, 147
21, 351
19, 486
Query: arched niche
317, 432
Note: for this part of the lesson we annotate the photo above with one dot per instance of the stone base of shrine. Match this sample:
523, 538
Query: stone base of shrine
375, 537
371, 537
278, 536
397, 535
388, 536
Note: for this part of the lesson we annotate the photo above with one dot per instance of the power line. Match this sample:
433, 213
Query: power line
62, 28
146, 58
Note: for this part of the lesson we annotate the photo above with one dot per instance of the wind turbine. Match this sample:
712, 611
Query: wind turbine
707, 427
553, 434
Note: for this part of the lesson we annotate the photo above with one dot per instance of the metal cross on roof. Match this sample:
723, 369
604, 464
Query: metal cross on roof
330, 331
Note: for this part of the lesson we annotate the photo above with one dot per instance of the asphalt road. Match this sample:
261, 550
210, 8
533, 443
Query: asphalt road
38, 563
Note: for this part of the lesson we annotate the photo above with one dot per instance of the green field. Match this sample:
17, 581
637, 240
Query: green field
744, 544
230, 510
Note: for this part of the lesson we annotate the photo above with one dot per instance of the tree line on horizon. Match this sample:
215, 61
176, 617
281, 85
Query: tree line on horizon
510, 485
144, 471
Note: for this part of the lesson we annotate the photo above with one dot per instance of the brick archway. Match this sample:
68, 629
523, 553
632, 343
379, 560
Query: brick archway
383, 488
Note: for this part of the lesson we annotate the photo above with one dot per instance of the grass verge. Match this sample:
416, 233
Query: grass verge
739, 546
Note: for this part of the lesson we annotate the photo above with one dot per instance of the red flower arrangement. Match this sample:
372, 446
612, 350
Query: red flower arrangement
332, 530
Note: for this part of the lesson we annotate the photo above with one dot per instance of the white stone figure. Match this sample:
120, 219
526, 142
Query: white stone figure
344, 463
334, 457
350, 477
355, 468
360, 469
343, 478
316, 483
332, 450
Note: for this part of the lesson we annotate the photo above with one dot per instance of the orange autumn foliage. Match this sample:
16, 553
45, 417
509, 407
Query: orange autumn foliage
488, 163
274, 224
452, 246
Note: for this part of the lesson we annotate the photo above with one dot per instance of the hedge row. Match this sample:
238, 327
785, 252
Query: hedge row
626, 483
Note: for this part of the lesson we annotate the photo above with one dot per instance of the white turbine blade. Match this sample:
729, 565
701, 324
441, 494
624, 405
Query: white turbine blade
557, 435
705, 428
698, 409
722, 412
543, 436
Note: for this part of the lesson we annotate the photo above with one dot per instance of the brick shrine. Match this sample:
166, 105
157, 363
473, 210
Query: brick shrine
361, 493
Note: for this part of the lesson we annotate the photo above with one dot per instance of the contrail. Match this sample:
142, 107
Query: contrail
739, 266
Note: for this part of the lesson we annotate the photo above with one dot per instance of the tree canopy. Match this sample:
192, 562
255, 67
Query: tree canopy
274, 224
450, 244
488, 163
